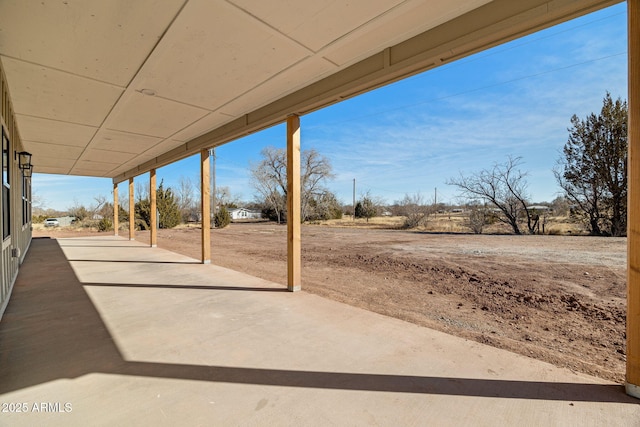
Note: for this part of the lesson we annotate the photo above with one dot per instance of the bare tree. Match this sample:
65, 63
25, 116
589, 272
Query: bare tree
185, 196
269, 178
185, 193
142, 191
560, 206
123, 202
324, 207
316, 169
477, 218
226, 198
415, 210
37, 202
504, 186
101, 206
78, 210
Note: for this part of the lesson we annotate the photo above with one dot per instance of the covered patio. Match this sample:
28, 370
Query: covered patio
164, 340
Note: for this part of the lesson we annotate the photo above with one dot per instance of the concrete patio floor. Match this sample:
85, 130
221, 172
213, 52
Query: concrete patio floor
106, 331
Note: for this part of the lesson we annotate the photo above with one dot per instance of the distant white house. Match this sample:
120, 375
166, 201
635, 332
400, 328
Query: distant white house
242, 213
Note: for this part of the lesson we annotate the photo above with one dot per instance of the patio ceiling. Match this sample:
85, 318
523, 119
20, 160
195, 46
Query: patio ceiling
115, 88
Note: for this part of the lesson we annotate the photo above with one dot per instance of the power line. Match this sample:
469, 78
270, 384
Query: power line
502, 83
515, 45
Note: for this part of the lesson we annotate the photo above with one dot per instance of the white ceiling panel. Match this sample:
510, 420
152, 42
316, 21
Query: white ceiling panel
51, 94
316, 24
151, 115
122, 141
52, 170
141, 158
55, 132
404, 22
79, 36
213, 53
55, 151
110, 87
163, 147
95, 166
95, 155
55, 162
152, 153
90, 171
310, 70
123, 167
208, 122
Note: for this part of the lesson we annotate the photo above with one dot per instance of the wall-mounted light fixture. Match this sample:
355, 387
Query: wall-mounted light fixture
24, 161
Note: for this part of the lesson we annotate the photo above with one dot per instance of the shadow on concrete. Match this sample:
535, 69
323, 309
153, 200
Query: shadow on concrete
51, 330
133, 261
572, 392
108, 246
212, 288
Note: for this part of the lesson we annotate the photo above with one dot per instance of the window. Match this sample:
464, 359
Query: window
6, 199
26, 200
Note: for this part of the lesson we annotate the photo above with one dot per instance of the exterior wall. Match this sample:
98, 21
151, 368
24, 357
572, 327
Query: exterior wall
15, 245
242, 213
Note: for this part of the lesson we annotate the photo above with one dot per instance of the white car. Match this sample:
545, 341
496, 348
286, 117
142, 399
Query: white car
51, 222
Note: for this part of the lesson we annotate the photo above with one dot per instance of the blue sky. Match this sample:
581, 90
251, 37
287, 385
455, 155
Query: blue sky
516, 99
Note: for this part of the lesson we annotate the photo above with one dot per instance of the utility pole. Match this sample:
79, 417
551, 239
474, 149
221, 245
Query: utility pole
354, 199
435, 197
212, 155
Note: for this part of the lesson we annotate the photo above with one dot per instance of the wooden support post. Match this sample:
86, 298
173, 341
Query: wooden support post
116, 209
633, 206
132, 212
293, 204
153, 239
205, 206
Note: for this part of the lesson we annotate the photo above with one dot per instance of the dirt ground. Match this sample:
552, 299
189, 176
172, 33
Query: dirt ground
561, 299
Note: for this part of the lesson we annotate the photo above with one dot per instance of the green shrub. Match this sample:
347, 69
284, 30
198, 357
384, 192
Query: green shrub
38, 219
168, 208
105, 224
222, 218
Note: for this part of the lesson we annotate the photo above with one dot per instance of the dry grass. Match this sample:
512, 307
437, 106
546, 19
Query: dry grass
67, 228
380, 222
439, 223
452, 223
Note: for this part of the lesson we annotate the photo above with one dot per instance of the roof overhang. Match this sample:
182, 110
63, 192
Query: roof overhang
116, 88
